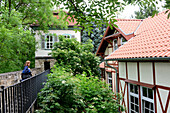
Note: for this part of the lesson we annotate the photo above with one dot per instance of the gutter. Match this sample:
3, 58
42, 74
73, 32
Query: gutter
141, 59
116, 74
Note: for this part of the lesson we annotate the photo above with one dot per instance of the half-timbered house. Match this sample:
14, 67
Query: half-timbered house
111, 41
143, 72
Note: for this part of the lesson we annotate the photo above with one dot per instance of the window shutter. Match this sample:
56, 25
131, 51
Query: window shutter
56, 38
72, 36
43, 42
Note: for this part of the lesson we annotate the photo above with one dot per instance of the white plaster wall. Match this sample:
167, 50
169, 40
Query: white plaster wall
162, 72
163, 95
146, 72
43, 53
132, 71
106, 51
122, 69
110, 51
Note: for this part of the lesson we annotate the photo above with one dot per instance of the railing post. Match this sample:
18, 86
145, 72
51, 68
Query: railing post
3, 99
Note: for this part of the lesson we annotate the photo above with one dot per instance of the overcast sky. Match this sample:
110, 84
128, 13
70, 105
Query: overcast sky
130, 9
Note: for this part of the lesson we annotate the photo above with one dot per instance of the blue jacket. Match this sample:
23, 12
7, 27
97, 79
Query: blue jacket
26, 70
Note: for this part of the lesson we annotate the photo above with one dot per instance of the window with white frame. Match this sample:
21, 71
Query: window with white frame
48, 40
68, 36
147, 99
134, 98
109, 74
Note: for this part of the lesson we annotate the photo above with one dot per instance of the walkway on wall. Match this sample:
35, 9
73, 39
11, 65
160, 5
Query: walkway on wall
20, 97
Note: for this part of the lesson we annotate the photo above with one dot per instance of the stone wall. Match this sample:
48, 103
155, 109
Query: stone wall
10, 78
39, 63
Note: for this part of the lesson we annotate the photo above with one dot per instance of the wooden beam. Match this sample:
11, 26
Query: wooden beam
113, 36
109, 42
154, 82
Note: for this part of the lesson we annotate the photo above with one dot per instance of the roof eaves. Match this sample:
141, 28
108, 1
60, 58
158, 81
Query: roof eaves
140, 59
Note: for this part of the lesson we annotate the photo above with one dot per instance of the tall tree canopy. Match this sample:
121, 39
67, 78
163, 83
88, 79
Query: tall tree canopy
145, 12
96, 37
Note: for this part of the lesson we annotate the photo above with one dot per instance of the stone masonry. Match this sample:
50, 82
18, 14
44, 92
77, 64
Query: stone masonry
10, 78
39, 63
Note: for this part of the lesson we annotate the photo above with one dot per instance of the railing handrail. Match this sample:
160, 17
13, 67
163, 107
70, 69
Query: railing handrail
20, 96
25, 79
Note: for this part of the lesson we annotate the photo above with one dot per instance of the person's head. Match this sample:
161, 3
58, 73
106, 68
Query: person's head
27, 63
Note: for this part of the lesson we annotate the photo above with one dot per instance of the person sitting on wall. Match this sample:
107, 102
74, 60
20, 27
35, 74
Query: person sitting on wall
26, 73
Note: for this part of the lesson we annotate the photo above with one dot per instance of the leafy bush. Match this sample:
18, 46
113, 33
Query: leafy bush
77, 56
64, 93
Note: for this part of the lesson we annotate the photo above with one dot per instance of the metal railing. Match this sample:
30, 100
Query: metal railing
20, 97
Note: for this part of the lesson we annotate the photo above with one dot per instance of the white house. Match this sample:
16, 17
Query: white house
46, 41
143, 72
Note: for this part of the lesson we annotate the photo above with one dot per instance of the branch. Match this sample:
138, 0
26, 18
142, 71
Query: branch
9, 7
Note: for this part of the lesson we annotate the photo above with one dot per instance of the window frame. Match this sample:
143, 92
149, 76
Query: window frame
71, 35
45, 47
54, 39
110, 78
146, 99
143, 98
134, 95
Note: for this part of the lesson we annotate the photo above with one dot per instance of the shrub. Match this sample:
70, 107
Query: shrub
64, 93
77, 56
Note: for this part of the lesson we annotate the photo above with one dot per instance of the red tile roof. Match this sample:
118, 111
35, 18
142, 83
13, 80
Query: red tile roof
125, 28
152, 40
101, 65
128, 25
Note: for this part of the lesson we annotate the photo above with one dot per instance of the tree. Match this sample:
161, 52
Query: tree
145, 12
150, 6
96, 37
78, 57
17, 42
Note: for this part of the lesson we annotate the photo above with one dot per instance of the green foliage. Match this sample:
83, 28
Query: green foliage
16, 43
99, 12
78, 57
150, 6
96, 37
145, 12
64, 93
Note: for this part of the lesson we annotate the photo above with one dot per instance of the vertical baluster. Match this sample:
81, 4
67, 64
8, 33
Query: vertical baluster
9, 105
18, 98
21, 97
6, 100
3, 100
14, 98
